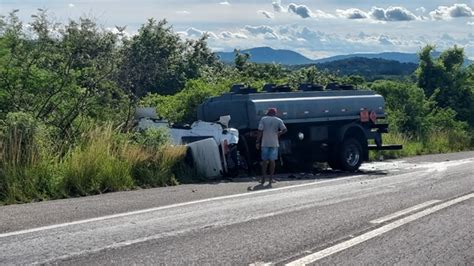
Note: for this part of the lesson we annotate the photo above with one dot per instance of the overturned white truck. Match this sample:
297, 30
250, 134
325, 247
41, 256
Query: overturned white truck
333, 124
212, 146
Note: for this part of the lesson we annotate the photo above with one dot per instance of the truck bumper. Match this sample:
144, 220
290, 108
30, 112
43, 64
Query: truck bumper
391, 147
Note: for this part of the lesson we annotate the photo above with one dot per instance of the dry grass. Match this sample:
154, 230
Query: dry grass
434, 142
103, 161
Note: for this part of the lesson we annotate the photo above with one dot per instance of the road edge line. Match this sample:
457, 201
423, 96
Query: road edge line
182, 204
403, 212
371, 234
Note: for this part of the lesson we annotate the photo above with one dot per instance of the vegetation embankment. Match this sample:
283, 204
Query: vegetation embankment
68, 95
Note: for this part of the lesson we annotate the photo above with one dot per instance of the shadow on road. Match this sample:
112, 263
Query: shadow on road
315, 175
259, 187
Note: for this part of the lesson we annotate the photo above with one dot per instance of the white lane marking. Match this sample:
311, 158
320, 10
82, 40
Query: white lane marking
154, 237
381, 230
403, 212
118, 215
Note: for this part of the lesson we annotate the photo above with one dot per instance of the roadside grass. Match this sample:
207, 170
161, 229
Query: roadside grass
103, 160
435, 142
94, 166
159, 168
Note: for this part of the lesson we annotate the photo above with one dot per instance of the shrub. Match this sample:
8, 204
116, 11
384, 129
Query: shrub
24, 144
160, 167
435, 141
406, 104
95, 166
153, 138
182, 106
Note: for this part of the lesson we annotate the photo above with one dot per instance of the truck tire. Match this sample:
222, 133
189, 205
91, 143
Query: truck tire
350, 155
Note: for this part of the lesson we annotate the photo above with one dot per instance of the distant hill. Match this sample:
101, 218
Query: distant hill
267, 55
368, 67
395, 56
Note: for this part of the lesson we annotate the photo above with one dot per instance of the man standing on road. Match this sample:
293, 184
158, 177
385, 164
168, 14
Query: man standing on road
270, 129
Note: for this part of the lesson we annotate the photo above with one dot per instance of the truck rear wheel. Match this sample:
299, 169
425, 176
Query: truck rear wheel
350, 155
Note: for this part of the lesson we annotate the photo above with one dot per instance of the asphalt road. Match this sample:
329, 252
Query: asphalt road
415, 211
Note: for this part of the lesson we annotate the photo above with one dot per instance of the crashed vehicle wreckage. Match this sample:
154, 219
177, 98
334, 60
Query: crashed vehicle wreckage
212, 146
334, 124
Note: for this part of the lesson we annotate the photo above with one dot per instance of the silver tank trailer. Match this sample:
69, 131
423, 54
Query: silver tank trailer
293, 107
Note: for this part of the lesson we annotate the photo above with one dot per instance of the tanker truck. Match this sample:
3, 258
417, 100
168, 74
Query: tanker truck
336, 124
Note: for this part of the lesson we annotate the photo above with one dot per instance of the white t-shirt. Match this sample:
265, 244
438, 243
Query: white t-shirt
270, 125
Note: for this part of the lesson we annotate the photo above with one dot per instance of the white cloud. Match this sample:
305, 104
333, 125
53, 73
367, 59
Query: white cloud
263, 29
122, 31
447, 37
195, 33
421, 9
300, 10
392, 14
454, 11
322, 14
225, 3
399, 14
352, 13
471, 23
267, 14
277, 7
183, 12
385, 40
304, 11
71, 5
377, 13
231, 35
362, 35
270, 36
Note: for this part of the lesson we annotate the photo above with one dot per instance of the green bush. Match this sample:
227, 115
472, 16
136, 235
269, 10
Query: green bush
406, 106
95, 166
433, 142
160, 167
24, 145
153, 138
182, 106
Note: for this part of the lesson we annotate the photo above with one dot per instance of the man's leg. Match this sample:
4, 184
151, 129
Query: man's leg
273, 156
264, 171
271, 170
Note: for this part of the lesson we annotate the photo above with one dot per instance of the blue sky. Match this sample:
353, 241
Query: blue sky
314, 28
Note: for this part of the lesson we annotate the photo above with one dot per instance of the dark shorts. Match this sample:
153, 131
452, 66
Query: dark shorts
269, 153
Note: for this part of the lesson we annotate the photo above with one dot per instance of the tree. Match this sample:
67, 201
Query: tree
241, 59
157, 60
406, 105
311, 75
59, 74
446, 81
198, 57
